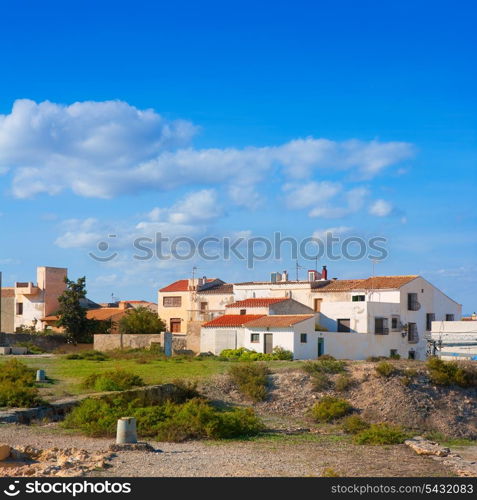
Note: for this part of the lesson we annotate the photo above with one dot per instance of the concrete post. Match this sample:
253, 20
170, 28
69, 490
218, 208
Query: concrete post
126, 431
168, 344
40, 376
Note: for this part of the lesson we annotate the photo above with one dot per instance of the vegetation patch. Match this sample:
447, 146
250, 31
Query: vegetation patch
17, 385
194, 419
329, 409
251, 379
320, 382
112, 380
343, 382
89, 356
243, 354
354, 424
324, 365
463, 374
32, 348
380, 434
385, 369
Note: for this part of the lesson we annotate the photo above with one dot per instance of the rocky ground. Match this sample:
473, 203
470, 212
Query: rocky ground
302, 455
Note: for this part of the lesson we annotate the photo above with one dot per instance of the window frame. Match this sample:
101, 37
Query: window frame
174, 299
384, 330
303, 338
252, 336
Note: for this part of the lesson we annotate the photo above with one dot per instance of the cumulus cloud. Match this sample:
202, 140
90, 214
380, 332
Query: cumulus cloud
335, 231
80, 233
104, 149
381, 208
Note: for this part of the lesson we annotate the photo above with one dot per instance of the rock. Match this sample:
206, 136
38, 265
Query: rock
424, 447
133, 447
4, 451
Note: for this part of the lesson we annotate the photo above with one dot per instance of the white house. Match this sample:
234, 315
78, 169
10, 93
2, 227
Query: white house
377, 316
454, 339
262, 333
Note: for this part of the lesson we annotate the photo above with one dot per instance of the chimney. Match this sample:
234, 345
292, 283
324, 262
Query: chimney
285, 276
312, 275
324, 273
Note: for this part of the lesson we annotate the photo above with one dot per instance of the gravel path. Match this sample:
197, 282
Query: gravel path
278, 456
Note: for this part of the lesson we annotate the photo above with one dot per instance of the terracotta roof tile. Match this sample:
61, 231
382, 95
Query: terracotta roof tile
177, 286
375, 282
279, 321
257, 302
230, 320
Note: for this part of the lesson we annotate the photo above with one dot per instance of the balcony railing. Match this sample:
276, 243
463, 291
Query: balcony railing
382, 331
26, 288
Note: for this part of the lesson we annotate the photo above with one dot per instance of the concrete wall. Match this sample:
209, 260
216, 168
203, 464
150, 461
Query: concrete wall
8, 310
109, 342
47, 342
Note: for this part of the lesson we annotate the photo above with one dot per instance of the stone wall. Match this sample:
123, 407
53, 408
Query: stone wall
110, 342
46, 342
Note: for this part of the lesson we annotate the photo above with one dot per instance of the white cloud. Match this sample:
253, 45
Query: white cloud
335, 231
381, 208
80, 233
103, 149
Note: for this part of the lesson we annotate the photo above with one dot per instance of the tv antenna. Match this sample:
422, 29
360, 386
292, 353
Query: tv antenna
297, 268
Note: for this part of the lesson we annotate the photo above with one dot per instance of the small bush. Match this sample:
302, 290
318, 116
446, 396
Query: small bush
353, 424
17, 385
452, 373
326, 356
395, 356
324, 366
32, 348
320, 382
112, 380
195, 419
89, 356
385, 369
251, 379
379, 434
243, 354
343, 383
330, 408
329, 472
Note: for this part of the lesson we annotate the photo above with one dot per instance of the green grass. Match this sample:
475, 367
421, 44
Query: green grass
68, 375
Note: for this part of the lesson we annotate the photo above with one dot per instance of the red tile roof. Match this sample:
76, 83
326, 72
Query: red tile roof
279, 321
230, 320
258, 302
375, 282
177, 286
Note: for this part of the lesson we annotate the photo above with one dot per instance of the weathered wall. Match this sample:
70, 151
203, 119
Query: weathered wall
109, 342
47, 342
8, 310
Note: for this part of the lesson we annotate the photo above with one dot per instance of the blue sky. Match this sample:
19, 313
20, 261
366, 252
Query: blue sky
299, 117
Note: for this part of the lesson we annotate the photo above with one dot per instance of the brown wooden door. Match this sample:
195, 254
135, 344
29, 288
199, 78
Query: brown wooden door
268, 343
318, 304
175, 325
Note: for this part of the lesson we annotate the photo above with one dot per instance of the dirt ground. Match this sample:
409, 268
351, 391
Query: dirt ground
303, 455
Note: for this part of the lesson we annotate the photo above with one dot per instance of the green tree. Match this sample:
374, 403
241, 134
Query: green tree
141, 320
71, 316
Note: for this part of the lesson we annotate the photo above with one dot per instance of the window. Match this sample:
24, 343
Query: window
412, 303
381, 326
255, 338
395, 323
172, 301
343, 325
449, 317
318, 305
303, 338
412, 335
203, 306
19, 307
393, 353
243, 311
430, 317
411, 355
357, 298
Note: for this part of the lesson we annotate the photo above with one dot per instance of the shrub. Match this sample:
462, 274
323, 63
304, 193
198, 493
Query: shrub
243, 354
32, 348
381, 434
329, 472
320, 381
112, 380
17, 385
452, 372
89, 356
326, 356
251, 379
195, 419
395, 356
343, 383
330, 408
385, 369
324, 366
353, 424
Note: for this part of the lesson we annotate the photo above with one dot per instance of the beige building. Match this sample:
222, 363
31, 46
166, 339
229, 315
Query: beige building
7, 318
35, 301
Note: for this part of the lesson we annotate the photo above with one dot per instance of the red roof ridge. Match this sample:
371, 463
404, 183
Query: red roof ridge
257, 302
